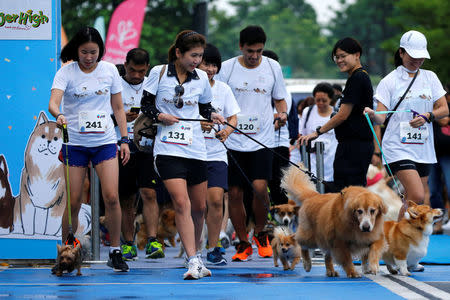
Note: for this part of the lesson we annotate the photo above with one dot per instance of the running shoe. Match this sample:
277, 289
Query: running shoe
116, 262
416, 268
215, 257
129, 252
243, 251
224, 240
154, 250
204, 272
264, 248
194, 269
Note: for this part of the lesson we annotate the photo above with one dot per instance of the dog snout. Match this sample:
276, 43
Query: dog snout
285, 222
365, 227
284, 250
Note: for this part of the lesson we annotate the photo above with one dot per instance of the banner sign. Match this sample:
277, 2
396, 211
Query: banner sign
124, 30
25, 20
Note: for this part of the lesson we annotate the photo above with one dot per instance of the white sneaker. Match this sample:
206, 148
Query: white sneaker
194, 268
446, 226
205, 272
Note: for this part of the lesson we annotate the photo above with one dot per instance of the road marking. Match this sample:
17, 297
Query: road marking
407, 287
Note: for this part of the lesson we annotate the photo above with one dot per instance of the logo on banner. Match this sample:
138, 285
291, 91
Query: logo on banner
125, 32
27, 19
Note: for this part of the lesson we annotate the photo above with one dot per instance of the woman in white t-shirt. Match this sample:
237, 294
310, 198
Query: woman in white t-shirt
89, 89
174, 95
316, 115
408, 139
225, 104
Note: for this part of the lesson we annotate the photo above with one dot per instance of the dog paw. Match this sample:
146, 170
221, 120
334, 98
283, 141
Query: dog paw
307, 266
332, 273
353, 274
392, 270
405, 273
286, 268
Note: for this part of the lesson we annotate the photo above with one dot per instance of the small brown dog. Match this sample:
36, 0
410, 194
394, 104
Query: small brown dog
166, 229
408, 239
69, 259
285, 248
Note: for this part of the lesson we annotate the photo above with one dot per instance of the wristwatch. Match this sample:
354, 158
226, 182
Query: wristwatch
431, 117
318, 130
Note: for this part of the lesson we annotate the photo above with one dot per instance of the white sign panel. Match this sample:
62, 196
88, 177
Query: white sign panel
25, 20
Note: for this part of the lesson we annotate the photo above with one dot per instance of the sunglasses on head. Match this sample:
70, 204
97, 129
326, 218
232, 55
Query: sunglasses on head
177, 100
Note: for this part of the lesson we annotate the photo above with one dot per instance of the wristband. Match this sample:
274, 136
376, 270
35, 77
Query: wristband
57, 116
283, 112
431, 118
122, 140
318, 130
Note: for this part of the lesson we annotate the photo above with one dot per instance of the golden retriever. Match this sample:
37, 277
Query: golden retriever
344, 225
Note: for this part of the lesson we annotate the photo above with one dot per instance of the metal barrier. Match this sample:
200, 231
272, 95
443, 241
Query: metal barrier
95, 211
320, 152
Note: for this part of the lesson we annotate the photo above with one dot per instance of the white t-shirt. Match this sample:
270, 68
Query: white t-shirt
282, 135
86, 104
424, 92
225, 104
131, 97
254, 90
183, 139
328, 138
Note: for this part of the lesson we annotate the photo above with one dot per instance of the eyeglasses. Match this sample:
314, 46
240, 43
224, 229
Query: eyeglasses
338, 57
177, 100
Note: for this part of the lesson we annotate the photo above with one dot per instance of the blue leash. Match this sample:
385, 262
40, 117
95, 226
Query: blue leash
381, 150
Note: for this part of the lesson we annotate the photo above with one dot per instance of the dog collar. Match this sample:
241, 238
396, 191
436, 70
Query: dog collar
374, 179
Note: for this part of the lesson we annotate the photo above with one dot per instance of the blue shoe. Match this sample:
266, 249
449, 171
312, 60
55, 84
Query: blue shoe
129, 252
416, 268
154, 250
215, 257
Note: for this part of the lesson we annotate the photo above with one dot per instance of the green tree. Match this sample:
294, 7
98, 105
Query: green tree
367, 21
163, 20
291, 28
431, 18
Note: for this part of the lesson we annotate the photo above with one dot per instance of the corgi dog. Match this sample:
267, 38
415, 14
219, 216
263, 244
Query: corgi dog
286, 214
407, 240
285, 248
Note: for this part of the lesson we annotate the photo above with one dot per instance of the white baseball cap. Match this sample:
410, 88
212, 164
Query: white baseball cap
415, 44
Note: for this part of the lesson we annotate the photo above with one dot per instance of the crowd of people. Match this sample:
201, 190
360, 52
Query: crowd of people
223, 129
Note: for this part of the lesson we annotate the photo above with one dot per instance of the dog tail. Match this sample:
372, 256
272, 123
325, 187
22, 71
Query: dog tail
297, 184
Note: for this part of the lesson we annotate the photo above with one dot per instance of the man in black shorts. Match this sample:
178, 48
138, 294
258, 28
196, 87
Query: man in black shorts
138, 175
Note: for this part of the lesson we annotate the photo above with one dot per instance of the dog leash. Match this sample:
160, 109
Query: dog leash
381, 150
307, 172
71, 239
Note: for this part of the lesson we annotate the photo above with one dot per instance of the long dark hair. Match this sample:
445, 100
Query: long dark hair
397, 59
84, 35
185, 41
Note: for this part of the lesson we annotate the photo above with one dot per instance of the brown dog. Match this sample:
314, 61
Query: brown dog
408, 239
343, 224
69, 259
166, 229
286, 214
285, 248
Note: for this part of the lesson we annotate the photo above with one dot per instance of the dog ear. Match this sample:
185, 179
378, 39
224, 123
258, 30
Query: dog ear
412, 212
296, 208
382, 207
58, 246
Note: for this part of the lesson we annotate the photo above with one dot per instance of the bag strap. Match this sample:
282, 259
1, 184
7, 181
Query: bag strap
307, 115
163, 69
388, 117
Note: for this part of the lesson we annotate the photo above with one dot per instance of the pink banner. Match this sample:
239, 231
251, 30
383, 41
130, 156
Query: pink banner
124, 30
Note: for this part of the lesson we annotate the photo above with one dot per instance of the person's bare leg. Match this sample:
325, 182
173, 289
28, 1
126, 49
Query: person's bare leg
128, 216
108, 174
197, 194
237, 212
413, 186
215, 215
76, 177
260, 204
177, 189
150, 210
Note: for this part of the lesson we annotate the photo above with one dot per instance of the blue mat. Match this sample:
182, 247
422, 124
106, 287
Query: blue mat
438, 250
